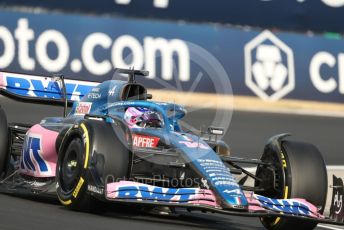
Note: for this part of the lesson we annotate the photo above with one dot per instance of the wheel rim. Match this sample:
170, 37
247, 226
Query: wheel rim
70, 168
280, 183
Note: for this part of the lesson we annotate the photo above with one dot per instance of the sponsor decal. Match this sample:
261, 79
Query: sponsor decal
45, 87
222, 180
205, 183
336, 209
194, 144
233, 191
269, 60
143, 192
33, 50
284, 205
269, 67
94, 95
186, 137
112, 91
32, 160
284, 162
78, 187
95, 189
295, 206
83, 108
237, 201
323, 81
96, 90
338, 202
142, 141
182, 135
155, 193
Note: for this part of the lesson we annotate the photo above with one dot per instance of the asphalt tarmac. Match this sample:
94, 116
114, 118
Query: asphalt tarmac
247, 134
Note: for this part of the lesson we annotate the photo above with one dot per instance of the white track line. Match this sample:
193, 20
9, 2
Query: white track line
303, 112
335, 167
330, 227
329, 167
250, 104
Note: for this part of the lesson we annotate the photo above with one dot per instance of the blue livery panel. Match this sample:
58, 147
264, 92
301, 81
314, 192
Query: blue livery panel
31, 159
43, 87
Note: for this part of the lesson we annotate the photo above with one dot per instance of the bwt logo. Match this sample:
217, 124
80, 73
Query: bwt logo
269, 67
32, 86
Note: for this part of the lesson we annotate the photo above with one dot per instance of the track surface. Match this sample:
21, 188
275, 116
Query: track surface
18, 213
247, 134
249, 131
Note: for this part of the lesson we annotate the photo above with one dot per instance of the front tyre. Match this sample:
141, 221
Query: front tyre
298, 171
88, 153
72, 169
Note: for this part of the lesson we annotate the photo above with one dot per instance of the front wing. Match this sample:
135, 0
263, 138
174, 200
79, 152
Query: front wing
205, 200
192, 199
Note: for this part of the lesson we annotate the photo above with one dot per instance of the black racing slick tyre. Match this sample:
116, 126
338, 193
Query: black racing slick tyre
299, 171
3, 142
89, 152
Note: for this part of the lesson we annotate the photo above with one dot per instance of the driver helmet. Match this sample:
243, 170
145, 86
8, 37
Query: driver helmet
137, 117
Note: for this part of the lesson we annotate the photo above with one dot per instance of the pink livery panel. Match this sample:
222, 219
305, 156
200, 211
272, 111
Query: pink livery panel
133, 191
39, 155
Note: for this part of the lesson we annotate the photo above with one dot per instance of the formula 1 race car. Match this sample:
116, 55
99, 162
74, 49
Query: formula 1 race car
115, 146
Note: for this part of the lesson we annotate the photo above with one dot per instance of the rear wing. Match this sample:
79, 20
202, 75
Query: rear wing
43, 90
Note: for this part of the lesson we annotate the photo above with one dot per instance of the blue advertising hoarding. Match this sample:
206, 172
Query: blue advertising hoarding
258, 63
300, 15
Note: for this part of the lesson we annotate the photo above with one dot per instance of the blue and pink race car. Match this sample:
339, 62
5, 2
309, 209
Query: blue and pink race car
117, 146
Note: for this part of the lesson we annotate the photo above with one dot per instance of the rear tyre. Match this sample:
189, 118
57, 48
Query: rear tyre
3, 142
89, 152
298, 171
